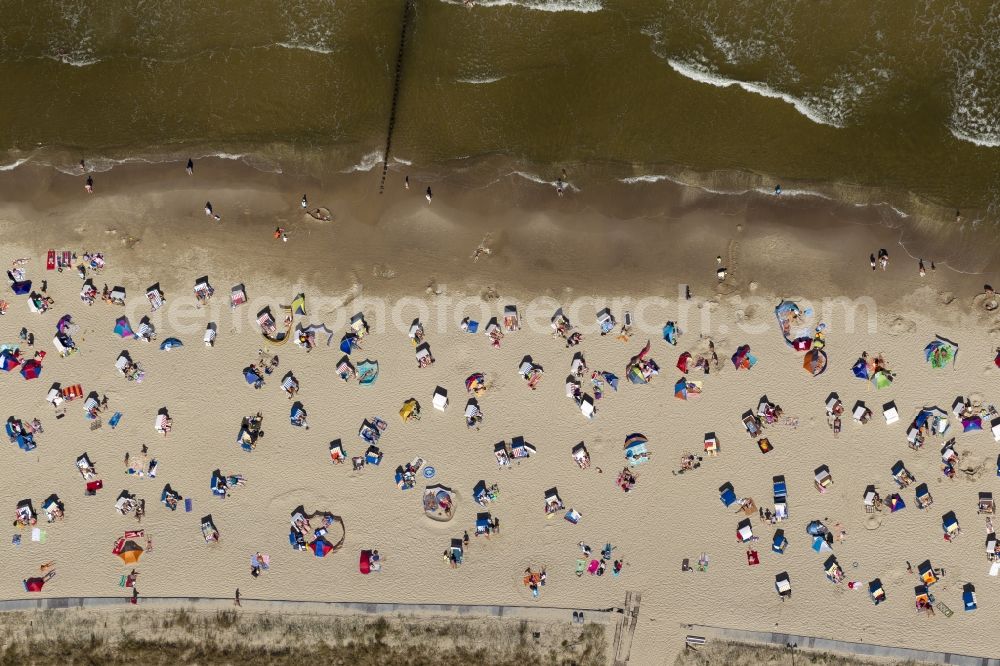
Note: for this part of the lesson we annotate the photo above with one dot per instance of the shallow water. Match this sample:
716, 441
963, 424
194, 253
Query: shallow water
902, 97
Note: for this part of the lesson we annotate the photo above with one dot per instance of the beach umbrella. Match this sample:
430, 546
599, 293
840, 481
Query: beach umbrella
996, 360
820, 545
895, 502
33, 584
611, 379
21, 288
8, 361
130, 552
65, 322
123, 328
348, 342
298, 306
635, 374
814, 362
682, 362
680, 389
251, 376
474, 381
320, 547
816, 528
407, 410
860, 369
940, 352
32, 369
972, 423
881, 379
170, 343
670, 333
743, 359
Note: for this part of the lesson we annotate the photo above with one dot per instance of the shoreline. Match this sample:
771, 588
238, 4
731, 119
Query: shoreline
923, 222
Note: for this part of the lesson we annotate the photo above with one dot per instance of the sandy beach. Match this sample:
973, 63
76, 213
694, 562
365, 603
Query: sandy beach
395, 258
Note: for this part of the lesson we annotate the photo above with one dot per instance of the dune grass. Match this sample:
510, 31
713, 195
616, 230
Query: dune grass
155, 638
749, 654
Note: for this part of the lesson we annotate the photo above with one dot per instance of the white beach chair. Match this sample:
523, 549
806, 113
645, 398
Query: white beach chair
471, 410
118, 295
210, 336
995, 429
237, 296
511, 320
145, 332
54, 397
440, 399
161, 425
587, 407
890, 413
121, 365
63, 351
155, 297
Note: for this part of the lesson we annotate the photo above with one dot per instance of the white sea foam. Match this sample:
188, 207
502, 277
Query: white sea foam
72, 61
700, 73
582, 6
480, 80
305, 47
541, 181
656, 178
400, 160
13, 165
368, 162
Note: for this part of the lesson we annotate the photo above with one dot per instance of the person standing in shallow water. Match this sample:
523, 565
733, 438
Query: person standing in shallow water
190, 167
429, 195
871, 258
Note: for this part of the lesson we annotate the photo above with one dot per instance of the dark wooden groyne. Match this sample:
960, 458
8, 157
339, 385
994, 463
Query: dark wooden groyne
397, 80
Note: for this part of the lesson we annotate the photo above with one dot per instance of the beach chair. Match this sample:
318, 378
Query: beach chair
921, 598
823, 478
744, 531
90, 408
117, 295
587, 407
780, 498
358, 325
949, 523
162, 424
890, 413
779, 543
711, 444
926, 572
210, 332
237, 296
727, 495
861, 413
833, 571
553, 502
581, 456
290, 385
573, 516
123, 363
924, 498
901, 475
511, 320
986, 503
752, 424
155, 297
203, 290
783, 585
440, 398
373, 456
521, 449
54, 396
456, 551
61, 349
991, 548
266, 322
876, 592
423, 355
145, 332
995, 429
605, 321
208, 529
484, 523
969, 597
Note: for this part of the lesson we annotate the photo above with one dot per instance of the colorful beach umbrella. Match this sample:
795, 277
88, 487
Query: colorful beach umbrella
860, 369
8, 361
972, 423
670, 333
32, 369
881, 379
611, 379
130, 552
320, 547
682, 362
123, 328
680, 389
814, 362
940, 352
743, 359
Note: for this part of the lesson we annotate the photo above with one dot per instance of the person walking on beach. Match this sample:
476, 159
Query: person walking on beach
429, 195
871, 258
406, 182
305, 202
921, 270
208, 208
89, 185
190, 167
236, 599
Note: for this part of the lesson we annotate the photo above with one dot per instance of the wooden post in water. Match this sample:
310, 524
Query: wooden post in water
407, 17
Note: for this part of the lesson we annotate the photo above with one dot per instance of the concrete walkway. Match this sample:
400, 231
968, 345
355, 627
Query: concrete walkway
603, 615
829, 645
